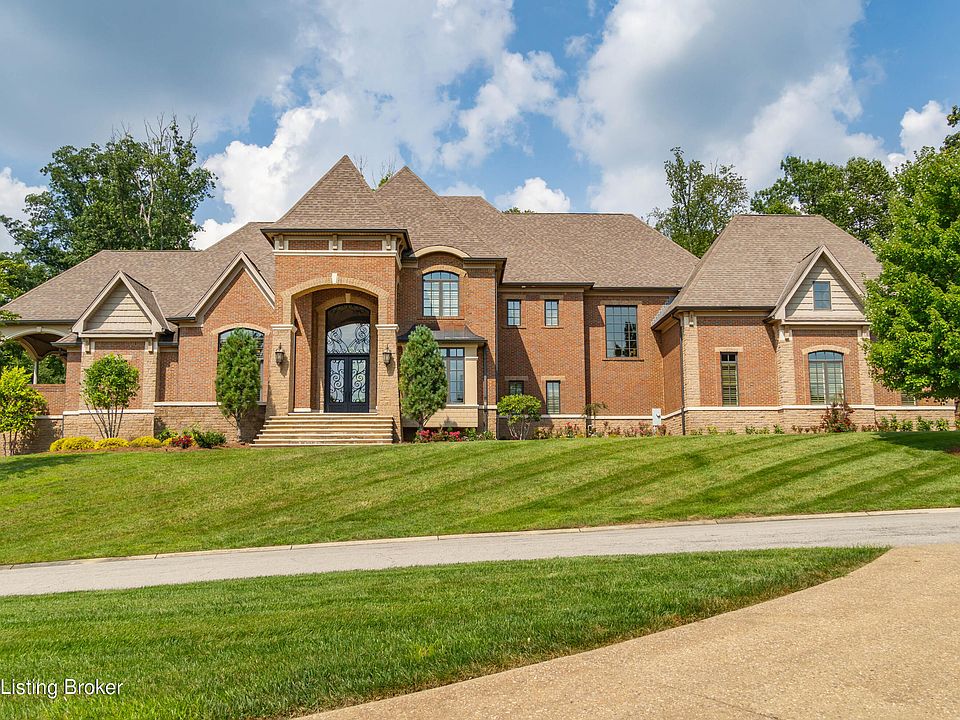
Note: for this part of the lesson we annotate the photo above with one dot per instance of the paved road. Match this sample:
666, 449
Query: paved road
912, 527
882, 642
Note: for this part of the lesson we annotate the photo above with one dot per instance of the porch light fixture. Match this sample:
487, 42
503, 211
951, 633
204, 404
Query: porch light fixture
387, 356
279, 354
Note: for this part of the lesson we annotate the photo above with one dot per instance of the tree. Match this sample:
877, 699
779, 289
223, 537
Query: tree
854, 196
129, 194
702, 202
109, 384
952, 140
238, 376
520, 412
914, 305
517, 211
423, 377
19, 406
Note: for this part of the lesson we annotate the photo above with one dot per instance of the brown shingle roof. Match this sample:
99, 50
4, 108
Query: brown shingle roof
609, 250
176, 278
755, 256
341, 199
426, 218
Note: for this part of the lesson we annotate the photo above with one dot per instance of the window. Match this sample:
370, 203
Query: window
553, 397
513, 313
621, 330
729, 385
821, 295
551, 313
453, 359
515, 387
257, 335
826, 377
908, 399
441, 294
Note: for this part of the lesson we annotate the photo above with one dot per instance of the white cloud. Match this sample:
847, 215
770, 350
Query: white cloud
576, 46
918, 130
519, 84
535, 195
12, 194
463, 188
744, 85
374, 97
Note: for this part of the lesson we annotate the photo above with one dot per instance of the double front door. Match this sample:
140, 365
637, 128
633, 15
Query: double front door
348, 384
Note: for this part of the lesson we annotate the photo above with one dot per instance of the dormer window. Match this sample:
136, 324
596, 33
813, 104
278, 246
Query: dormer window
821, 295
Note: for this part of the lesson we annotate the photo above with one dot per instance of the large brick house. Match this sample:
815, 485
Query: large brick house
572, 308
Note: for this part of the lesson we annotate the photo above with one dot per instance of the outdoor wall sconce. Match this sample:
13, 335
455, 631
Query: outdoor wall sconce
279, 354
387, 356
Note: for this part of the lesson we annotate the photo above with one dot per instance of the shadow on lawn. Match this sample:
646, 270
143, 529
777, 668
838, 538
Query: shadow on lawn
942, 441
23, 464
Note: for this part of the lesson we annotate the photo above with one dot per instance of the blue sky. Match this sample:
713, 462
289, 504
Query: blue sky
548, 105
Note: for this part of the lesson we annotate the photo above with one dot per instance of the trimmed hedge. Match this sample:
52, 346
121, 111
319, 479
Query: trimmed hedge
146, 441
76, 443
110, 443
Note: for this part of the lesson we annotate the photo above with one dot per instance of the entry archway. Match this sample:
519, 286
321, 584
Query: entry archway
347, 364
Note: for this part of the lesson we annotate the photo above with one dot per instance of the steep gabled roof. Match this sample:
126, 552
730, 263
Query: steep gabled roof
141, 294
427, 219
804, 268
756, 257
342, 200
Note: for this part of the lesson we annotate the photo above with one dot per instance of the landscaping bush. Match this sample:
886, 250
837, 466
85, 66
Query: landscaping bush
209, 438
166, 434
441, 435
147, 441
55, 445
520, 412
924, 425
182, 441
906, 425
837, 418
943, 424
110, 443
76, 443
167, 442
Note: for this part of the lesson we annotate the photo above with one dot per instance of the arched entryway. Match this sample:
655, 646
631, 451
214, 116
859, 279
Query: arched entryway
347, 359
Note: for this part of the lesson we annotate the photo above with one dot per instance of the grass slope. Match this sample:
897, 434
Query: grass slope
99, 504
283, 646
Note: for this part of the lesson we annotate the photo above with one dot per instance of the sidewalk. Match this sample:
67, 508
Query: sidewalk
882, 642
895, 528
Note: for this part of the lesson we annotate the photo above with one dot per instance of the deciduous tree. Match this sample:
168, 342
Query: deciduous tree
914, 305
19, 406
108, 386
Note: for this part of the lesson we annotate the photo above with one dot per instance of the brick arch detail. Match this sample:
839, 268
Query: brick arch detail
831, 348
327, 283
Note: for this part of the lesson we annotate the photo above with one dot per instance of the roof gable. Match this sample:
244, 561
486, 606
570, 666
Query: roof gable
123, 307
242, 263
425, 216
796, 300
340, 200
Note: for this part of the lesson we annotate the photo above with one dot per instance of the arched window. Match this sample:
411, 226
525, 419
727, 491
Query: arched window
826, 377
441, 294
257, 335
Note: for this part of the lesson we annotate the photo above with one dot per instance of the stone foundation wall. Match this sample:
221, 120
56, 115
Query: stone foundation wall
208, 417
133, 425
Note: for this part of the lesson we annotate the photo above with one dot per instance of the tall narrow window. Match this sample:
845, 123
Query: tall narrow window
551, 313
441, 294
826, 377
821, 295
453, 359
513, 313
258, 336
621, 321
729, 382
553, 397
515, 387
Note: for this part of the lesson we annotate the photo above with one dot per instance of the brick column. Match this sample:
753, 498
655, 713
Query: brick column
867, 395
303, 363
388, 378
786, 367
148, 379
691, 360
279, 395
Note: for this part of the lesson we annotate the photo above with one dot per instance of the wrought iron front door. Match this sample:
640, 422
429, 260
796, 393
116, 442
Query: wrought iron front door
348, 384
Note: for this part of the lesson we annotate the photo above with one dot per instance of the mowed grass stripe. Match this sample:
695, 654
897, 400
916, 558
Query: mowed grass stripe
278, 647
100, 504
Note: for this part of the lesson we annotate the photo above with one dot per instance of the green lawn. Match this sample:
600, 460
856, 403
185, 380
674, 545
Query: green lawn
100, 504
281, 646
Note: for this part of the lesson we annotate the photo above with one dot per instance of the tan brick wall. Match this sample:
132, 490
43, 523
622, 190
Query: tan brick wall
45, 431
672, 370
753, 341
133, 425
208, 417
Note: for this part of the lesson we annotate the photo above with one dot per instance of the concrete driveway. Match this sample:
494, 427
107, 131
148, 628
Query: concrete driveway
898, 528
882, 642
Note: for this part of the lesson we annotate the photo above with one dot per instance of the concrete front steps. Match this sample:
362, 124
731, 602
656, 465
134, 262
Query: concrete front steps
299, 429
